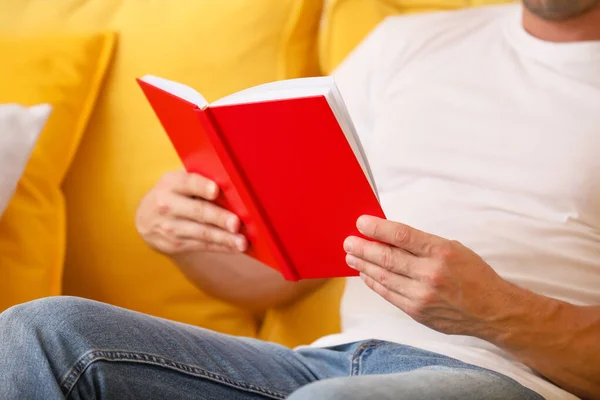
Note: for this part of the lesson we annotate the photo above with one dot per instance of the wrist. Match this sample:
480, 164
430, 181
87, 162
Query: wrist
522, 317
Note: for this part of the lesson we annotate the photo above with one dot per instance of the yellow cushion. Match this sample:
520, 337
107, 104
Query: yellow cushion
346, 22
66, 72
312, 317
217, 47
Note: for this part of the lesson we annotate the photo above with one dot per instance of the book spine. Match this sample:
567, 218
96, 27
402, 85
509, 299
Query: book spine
240, 183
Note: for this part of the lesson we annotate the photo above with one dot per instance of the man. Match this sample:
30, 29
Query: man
482, 126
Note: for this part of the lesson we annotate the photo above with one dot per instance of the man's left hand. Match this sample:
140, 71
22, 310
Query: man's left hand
438, 282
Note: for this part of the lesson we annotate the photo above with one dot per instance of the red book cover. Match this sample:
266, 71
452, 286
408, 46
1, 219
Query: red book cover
285, 166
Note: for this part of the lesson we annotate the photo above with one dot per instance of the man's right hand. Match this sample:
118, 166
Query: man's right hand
178, 216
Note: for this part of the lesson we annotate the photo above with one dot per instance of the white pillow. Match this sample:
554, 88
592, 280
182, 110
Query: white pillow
20, 128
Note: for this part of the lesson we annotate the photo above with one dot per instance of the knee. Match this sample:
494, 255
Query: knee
329, 389
39, 317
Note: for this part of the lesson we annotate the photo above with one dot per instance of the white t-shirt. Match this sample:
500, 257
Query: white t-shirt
479, 132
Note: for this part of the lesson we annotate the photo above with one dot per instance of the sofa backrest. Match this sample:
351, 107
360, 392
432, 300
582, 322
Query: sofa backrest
346, 22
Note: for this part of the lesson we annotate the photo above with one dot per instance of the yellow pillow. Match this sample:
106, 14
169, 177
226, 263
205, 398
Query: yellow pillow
312, 317
66, 72
347, 22
218, 47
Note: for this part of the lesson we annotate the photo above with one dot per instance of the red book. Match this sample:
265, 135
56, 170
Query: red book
288, 161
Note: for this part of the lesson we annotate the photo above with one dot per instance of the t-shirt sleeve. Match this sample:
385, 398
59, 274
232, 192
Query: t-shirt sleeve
358, 79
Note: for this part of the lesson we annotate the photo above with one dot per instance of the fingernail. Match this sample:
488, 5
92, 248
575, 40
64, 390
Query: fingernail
212, 189
363, 277
232, 224
348, 245
351, 260
362, 222
240, 243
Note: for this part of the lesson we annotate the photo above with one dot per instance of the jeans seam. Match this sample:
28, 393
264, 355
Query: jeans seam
73, 375
358, 355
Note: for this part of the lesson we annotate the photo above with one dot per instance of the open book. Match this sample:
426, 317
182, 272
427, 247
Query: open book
288, 161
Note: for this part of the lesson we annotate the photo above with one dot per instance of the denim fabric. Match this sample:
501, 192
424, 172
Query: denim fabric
66, 347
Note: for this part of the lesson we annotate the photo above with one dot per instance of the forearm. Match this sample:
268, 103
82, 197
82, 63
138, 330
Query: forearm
241, 280
559, 340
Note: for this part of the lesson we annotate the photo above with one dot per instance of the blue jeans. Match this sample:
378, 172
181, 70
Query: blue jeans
66, 347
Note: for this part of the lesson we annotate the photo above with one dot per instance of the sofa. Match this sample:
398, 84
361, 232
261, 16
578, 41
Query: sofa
70, 230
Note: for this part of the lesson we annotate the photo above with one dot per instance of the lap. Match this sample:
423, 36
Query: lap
79, 348
89, 345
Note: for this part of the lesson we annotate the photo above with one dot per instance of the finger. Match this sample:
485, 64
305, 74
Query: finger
174, 246
400, 284
195, 185
193, 245
170, 245
204, 212
182, 230
185, 229
402, 236
391, 296
383, 255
